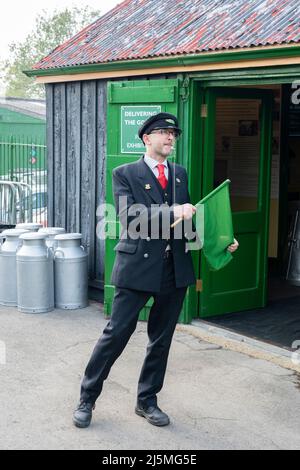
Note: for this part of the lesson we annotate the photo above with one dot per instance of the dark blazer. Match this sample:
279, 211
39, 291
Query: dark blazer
139, 262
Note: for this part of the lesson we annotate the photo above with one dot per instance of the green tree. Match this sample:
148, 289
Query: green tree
50, 31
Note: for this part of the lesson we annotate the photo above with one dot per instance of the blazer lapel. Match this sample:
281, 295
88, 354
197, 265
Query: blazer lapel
148, 183
177, 185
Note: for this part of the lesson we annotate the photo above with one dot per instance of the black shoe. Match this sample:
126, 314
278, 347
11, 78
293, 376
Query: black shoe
153, 415
83, 414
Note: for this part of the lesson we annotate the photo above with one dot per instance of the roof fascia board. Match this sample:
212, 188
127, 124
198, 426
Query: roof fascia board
279, 68
178, 61
255, 73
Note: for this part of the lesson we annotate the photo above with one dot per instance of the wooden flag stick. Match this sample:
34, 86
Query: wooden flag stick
214, 191
176, 222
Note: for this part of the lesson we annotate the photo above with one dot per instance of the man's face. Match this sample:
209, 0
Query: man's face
161, 141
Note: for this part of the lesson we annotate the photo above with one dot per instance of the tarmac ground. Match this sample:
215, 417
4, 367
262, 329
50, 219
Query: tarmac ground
218, 395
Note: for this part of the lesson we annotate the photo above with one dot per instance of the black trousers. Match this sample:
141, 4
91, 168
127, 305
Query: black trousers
162, 321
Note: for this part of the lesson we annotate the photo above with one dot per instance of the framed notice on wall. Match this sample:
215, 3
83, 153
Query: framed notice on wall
132, 117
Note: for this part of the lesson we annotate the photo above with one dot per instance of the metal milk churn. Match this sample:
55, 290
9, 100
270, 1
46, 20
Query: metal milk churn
293, 269
35, 279
70, 272
51, 232
8, 273
31, 226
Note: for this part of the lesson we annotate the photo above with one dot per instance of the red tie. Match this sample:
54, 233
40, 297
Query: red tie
161, 175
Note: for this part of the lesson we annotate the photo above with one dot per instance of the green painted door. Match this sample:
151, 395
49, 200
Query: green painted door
237, 145
130, 103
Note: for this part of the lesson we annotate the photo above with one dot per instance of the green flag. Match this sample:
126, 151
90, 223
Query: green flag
218, 230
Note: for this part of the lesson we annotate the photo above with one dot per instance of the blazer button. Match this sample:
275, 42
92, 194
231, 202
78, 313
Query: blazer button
146, 255
148, 239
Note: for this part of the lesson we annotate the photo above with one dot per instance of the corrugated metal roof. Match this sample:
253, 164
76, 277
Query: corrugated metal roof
138, 29
31, 107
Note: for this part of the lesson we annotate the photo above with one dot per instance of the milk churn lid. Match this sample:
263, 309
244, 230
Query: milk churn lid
29, 225
68, 236
52, 230
13, 232
33, 236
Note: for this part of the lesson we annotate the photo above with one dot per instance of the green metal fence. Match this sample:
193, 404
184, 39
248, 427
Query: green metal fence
23, 160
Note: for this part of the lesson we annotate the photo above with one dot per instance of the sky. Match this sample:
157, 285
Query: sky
17, 17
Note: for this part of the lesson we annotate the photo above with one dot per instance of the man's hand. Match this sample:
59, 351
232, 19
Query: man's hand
234, 246
184, 211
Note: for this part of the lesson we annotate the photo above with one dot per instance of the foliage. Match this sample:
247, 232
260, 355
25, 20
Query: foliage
49, 32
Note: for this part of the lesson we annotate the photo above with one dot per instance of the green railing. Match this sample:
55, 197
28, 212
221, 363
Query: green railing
23, 160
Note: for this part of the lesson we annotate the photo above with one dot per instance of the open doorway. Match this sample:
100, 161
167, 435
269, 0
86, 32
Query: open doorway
285, 197
238, 137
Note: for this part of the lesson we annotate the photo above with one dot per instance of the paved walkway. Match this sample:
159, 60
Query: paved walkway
217, 398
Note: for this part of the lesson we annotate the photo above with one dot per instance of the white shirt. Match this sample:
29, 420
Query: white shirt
152, 164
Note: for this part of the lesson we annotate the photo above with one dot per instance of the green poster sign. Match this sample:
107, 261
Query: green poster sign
132, 117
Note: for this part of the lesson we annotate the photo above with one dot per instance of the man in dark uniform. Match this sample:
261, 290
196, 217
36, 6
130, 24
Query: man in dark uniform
153, 264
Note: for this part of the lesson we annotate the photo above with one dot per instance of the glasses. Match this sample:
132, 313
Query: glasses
168, 132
